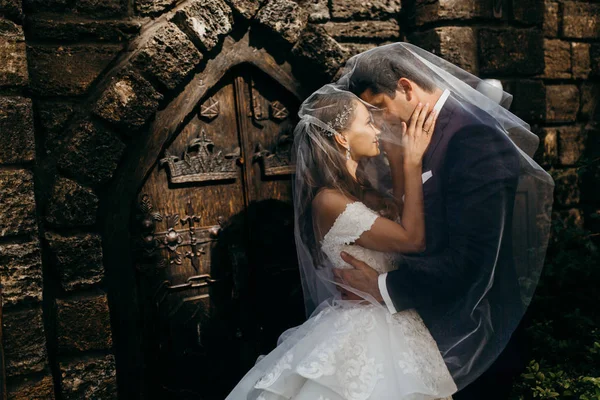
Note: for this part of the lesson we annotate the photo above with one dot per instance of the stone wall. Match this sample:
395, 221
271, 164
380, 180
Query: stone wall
547, 56
568, 91
27, 366
80, 79
56, 325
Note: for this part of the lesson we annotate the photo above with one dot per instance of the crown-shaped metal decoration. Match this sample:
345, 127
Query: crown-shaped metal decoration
340, 120
201, 162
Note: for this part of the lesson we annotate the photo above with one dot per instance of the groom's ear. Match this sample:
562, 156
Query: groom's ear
405, 87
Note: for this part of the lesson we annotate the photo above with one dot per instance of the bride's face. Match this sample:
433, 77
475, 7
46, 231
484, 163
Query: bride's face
362, 135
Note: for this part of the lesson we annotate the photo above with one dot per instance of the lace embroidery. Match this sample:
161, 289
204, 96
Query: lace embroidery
422, 357
282, 364
344, 355
347, 228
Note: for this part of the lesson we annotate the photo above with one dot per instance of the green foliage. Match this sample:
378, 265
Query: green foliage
565, 328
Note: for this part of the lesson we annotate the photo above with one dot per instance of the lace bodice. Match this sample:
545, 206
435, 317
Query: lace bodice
356, 219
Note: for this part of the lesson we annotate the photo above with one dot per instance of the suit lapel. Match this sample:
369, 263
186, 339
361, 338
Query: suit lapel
438, 133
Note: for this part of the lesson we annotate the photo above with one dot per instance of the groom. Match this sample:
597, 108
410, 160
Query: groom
470, 176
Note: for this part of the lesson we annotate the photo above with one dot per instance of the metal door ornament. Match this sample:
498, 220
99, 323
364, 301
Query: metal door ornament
205, 165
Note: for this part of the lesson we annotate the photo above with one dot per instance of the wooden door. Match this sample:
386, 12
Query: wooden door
217, 270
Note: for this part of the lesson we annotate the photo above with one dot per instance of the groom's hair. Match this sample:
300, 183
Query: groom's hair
380, 70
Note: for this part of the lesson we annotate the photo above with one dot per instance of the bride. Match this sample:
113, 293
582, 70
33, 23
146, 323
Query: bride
353, 349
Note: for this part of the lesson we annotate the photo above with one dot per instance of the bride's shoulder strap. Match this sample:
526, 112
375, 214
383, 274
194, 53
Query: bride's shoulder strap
341, 216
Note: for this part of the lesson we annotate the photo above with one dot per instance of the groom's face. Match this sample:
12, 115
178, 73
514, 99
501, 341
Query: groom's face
395, 110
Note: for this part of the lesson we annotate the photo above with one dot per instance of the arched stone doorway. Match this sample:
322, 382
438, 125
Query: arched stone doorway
198, 231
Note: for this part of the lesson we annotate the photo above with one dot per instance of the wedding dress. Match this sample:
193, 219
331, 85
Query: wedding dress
351, 350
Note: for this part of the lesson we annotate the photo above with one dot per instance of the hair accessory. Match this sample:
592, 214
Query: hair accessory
340, 120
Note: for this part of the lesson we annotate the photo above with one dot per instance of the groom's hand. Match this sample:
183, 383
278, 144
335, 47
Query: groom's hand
362, 278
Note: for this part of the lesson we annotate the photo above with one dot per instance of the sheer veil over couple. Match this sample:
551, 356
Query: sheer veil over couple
418, 256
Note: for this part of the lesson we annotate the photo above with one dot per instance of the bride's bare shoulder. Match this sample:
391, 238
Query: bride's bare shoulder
331, 199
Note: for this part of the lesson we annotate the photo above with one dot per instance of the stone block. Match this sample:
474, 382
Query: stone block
551, 12
245, 8
562, 103
21, 273
568, 140
92, 153
581, 60
320, 51
205, 22
318, 10
78, 259
566, 191
580, 20
557, 59
364, 30
83, 324
13, 57
71, 204
32, 388
53, 117
529, 12
169, 56
370, 9
571, 144
284, 18
455, 44
356, 48
17, 143
17, 214
24, 341
153, 7
529, 99
590, 99
89, 378
56, 70
75, 28
102, 8
129, 102
510, 51
32, 6
547, 154
595, 59
427, 11
11, 9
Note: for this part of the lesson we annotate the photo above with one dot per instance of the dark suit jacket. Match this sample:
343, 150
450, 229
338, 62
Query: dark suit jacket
469, 201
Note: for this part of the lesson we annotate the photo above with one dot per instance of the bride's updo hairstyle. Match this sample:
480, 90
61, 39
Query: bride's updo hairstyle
321, 161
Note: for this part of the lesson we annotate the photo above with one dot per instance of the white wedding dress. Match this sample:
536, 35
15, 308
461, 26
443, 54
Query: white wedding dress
351, 350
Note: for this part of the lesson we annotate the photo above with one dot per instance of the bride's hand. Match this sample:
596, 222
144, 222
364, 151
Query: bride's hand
417, 135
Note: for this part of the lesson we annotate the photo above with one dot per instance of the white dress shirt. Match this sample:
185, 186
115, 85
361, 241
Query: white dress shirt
382, 278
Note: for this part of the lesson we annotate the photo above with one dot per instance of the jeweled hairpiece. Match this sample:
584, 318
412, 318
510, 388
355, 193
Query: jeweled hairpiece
340, 120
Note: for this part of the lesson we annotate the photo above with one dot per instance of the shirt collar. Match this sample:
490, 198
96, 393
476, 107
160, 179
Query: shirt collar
441, 101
